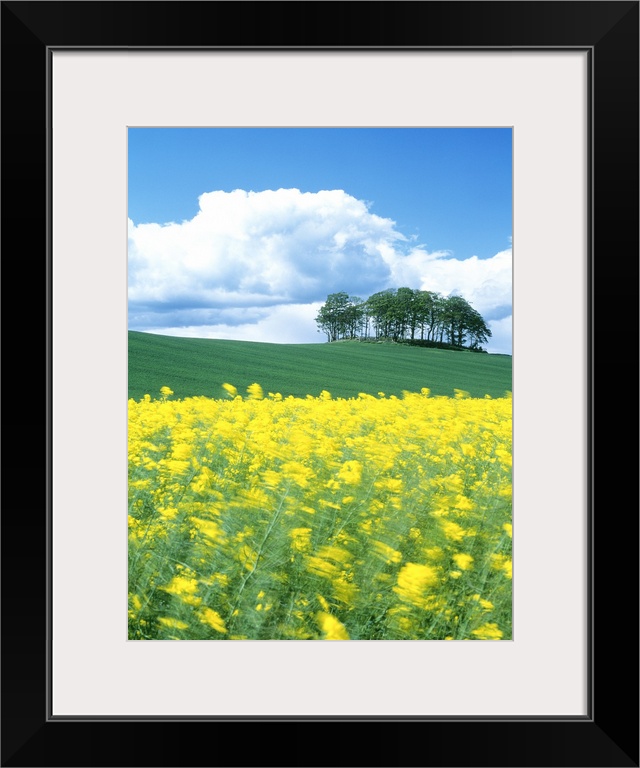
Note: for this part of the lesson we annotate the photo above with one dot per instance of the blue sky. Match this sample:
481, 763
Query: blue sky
243, 232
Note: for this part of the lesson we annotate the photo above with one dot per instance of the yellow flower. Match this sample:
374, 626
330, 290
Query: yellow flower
333, 628
453, 531
230, 390
320, 567
323, 603
297, 473
486, 604
209, 528
335, 553
255, 392
468, 450
405, 623
502, 563
178, 466
351, 472
463, 561
247, 556
344, 590
319, 495
184, 588
271, 479
463, 503
385, 552
181, 451
181, 585
167, 621
213, 619
489, 631
413, 580
165, 392
301, 539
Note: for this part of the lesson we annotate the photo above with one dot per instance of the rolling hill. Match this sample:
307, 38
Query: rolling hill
199, 367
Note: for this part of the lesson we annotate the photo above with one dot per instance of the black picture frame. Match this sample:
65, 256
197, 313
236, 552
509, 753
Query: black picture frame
608, 735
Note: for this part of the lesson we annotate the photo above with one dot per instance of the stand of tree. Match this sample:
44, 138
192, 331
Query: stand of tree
404, 315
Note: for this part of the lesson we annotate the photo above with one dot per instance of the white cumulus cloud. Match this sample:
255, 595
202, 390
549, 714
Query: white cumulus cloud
258, 265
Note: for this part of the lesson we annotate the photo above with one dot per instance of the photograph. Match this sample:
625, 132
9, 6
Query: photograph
320, 383
329, 294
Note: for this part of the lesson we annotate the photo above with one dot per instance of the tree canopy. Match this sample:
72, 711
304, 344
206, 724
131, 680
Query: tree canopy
404, 314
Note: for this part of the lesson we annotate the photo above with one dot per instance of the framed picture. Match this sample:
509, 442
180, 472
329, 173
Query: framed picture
394, 521
563, 77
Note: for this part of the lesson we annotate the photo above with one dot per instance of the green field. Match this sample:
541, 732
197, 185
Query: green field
199, 367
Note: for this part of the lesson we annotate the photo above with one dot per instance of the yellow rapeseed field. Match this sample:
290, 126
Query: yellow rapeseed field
268, 518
